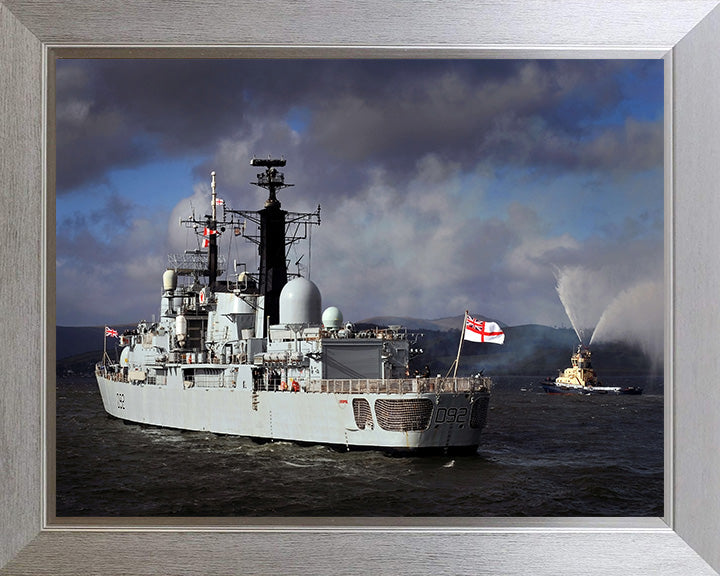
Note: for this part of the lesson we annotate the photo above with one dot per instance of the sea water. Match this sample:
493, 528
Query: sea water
540, 455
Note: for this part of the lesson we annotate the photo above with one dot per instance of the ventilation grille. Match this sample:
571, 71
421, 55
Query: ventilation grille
404, 415
479, 412
363, 415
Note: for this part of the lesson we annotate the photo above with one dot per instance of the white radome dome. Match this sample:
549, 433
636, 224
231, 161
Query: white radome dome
300, 303
332, 318
169, 280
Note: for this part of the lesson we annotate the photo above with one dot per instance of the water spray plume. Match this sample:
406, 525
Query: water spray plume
635, 316
584, 294
603, 309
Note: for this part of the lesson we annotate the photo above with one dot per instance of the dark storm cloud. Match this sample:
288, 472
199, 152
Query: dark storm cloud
118, 114
519, 117
443, 184
123, 113
630, 146
106, 259
91, 236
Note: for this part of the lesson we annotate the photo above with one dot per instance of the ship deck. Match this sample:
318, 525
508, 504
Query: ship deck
436, 385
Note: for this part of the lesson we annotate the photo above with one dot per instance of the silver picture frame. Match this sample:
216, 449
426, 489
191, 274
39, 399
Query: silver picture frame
682, 32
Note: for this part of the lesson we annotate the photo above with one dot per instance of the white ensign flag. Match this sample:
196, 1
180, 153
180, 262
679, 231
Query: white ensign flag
481, 331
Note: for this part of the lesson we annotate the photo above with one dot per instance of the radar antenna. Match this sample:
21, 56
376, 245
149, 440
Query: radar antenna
272, 179
278, 230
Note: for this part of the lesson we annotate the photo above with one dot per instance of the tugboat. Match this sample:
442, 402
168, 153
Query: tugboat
581, 378
253, 354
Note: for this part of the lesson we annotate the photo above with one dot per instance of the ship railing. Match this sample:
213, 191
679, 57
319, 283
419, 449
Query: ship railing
399, 385
110, 373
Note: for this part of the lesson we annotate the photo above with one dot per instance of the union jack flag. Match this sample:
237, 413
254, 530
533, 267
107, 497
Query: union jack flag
110, 332
481, 331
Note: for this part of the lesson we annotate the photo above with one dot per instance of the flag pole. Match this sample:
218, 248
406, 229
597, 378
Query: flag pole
462, 337
104, 344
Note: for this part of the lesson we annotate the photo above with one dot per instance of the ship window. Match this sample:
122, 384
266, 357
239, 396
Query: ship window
160, 377
209, 377
362, 413
478, 416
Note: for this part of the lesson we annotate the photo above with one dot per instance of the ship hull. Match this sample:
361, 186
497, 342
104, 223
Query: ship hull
555, 388
452, 421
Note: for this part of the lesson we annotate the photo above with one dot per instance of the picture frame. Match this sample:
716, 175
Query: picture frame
683, 32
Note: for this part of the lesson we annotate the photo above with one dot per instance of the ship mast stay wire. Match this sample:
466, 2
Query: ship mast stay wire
310, 251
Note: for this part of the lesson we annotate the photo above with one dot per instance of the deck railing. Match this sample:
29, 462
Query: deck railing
101, 370
399, 385
344, 386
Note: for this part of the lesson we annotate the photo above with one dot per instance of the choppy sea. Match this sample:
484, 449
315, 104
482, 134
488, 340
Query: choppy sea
540, 455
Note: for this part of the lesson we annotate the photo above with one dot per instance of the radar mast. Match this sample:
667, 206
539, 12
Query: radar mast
275, 233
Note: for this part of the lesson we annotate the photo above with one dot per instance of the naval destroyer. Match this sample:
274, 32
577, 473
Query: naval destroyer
254, 354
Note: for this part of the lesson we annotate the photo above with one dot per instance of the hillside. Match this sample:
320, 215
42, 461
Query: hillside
528, 350
440, 324
73, 340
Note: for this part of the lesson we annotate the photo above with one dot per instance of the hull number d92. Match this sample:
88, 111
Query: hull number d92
451, 415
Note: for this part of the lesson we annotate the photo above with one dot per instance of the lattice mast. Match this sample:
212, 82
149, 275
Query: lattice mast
277, 231
192, 262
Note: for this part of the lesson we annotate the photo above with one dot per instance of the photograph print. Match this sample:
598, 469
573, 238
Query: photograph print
360, 288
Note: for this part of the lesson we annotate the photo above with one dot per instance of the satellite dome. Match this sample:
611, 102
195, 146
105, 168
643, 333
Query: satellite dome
169, 280
300, 303
332, 318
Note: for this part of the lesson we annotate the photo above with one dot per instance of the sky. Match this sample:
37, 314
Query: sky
444, 185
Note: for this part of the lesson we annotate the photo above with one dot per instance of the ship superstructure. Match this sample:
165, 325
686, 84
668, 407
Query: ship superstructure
254, 354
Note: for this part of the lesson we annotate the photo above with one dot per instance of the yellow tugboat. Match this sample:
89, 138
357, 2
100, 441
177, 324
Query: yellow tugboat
581, 378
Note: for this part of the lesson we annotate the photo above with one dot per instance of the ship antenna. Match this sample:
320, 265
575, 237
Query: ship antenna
214, 195
212, 238
272, 179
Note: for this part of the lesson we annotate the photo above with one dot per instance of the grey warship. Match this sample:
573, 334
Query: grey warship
253, 354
